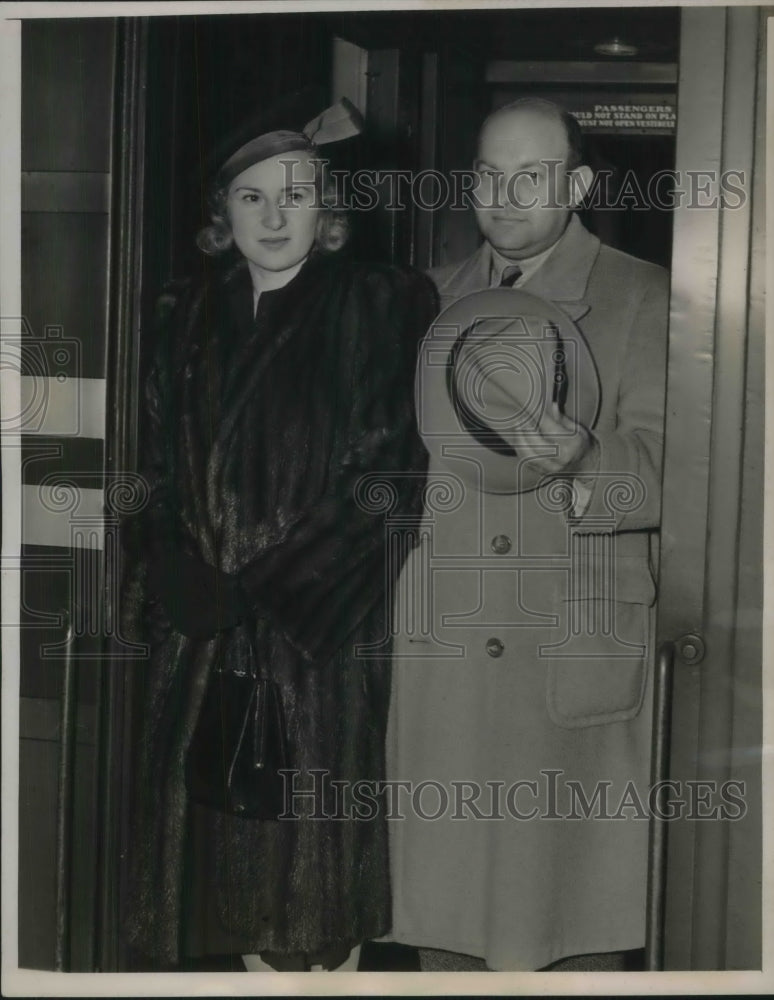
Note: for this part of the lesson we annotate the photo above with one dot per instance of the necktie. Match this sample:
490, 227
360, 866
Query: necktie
510, 276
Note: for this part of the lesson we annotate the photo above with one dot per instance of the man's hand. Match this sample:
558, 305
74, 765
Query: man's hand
557, 444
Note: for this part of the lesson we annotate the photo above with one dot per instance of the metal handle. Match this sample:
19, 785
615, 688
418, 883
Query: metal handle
64, 818
657, 834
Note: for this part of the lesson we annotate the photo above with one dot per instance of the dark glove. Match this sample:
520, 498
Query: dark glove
199, 599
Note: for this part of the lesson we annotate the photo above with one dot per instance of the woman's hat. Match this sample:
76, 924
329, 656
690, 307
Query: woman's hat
490, 365
340, 121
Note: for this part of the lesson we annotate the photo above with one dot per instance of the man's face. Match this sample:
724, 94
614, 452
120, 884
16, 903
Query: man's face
522, 185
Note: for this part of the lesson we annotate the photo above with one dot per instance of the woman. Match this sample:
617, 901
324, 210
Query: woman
285, 378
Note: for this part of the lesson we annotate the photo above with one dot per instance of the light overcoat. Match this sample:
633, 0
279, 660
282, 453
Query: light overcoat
524, 648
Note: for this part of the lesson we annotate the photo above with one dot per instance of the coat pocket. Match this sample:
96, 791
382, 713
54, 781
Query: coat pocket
598, 673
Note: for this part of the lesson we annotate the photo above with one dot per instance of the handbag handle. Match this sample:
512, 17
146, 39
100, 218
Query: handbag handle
254, 667
253, 663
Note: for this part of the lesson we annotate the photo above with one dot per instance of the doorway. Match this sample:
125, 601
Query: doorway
432, 77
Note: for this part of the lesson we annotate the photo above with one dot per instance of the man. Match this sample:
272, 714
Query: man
520, 720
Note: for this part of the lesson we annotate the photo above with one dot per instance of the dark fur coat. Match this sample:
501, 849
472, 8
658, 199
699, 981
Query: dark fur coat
258, 432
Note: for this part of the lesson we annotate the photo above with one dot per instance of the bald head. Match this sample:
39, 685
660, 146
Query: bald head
536, 108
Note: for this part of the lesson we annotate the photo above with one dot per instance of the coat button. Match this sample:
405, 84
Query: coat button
495, 647
501, 544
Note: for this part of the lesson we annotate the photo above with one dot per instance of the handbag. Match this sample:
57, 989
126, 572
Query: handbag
239, 745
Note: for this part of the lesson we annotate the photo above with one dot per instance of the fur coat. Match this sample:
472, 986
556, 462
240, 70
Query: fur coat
259, 433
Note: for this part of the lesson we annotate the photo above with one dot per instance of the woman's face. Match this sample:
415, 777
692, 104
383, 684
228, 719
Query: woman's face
273, 210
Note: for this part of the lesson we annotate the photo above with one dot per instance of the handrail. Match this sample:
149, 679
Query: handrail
64, 815
657, 834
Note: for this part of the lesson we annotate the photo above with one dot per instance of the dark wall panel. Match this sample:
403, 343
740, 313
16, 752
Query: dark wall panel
56, 580
67, 108
38, 776
64, 283
66, 98
40, 719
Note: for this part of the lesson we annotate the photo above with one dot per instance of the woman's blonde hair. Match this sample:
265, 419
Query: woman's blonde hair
332, 226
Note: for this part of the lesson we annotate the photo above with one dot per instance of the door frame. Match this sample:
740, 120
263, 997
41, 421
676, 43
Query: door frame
711, 331
716, 322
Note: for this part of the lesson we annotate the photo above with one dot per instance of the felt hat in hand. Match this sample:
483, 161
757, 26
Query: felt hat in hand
490, 365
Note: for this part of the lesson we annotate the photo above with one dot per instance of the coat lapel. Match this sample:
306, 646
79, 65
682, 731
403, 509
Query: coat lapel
563, 278
472, 275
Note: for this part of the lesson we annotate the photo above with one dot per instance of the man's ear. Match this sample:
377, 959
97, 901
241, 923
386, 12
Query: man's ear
581, 179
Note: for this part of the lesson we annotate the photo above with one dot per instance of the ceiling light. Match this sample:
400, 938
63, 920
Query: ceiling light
615, 47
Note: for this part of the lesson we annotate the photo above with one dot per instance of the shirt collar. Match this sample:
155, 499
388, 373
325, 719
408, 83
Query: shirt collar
528, 266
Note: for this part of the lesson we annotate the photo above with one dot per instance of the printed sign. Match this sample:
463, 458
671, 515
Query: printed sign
627, 116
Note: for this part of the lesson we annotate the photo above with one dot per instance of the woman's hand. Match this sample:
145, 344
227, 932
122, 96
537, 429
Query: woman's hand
199, 599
